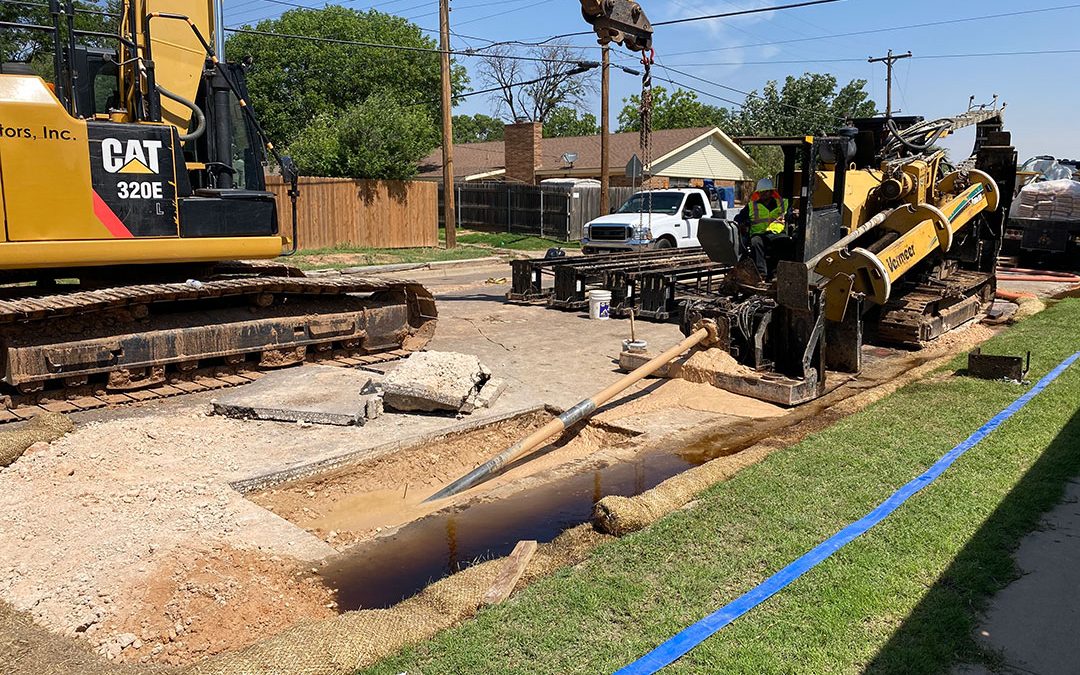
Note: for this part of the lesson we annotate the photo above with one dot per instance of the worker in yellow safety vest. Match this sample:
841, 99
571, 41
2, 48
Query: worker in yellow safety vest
763, 220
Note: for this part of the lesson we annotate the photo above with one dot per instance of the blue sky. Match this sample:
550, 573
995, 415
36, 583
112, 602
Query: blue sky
1041, 91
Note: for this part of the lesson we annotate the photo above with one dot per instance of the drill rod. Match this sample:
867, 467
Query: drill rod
581, 411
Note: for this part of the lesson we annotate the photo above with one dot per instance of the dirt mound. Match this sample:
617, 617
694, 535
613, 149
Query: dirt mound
212, 602
703, 365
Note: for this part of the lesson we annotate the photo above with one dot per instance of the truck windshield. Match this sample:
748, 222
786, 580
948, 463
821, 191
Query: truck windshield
662, 202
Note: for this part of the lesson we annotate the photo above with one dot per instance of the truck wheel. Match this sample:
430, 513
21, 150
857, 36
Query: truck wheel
664, 242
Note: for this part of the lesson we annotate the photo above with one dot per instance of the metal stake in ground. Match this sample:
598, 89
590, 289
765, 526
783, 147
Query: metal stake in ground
705, 333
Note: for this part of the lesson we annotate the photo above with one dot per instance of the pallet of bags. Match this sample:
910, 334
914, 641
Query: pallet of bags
1050, 200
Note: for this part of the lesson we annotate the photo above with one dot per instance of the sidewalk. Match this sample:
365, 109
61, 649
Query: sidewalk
1034, 621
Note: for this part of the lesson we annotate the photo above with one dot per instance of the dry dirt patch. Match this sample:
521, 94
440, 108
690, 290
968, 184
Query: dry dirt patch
200, 604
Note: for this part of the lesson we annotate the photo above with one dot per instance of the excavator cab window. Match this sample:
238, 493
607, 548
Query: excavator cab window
247, 167
247, 155
98, 81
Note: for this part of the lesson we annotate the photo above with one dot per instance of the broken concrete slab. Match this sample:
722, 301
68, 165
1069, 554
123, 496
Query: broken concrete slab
486, 396
433, 381
311, 393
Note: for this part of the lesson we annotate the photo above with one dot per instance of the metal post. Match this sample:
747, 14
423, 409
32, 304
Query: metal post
605, 131
219, 29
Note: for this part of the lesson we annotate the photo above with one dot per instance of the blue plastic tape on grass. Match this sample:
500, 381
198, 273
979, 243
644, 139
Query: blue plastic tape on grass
694, 635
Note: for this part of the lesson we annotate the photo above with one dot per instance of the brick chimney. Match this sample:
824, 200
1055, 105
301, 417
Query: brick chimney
521, 145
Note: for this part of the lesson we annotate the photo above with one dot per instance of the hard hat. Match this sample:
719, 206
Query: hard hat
764, 184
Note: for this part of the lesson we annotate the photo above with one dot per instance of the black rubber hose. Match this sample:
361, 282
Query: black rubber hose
914, 147
200, 118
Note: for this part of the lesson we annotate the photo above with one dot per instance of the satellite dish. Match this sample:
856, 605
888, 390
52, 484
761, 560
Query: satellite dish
569, 158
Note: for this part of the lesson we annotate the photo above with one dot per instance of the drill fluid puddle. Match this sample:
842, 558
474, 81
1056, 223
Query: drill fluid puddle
383, 571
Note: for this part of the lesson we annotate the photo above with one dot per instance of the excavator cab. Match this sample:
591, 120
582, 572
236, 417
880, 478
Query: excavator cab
151, 141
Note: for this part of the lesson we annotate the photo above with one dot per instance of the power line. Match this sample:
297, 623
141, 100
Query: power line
744, 12
581, 68
508, 11
748, 94
698, 91
870, 31
458, 8
405, 48
741, 12
1038, 52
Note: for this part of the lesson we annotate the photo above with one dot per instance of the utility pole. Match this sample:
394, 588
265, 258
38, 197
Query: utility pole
605, 131
889, 61
447, 125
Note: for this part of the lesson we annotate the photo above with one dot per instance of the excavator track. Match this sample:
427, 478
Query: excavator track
18, 407
121, 343
923, 312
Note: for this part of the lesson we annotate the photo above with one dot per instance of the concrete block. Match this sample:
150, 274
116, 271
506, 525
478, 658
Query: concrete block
491, 391
629, 361
315, 394
431, 381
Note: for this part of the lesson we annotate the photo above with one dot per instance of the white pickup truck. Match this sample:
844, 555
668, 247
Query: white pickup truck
672, 223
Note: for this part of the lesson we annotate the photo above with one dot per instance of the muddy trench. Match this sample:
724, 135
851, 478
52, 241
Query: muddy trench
391, 545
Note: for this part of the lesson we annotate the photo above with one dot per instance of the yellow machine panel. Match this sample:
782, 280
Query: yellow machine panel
37, 131
178, 55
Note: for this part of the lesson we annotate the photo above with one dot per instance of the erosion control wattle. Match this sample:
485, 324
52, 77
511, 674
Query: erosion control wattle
581, 411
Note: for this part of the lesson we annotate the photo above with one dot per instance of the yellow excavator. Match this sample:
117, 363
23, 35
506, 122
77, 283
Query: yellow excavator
136, 213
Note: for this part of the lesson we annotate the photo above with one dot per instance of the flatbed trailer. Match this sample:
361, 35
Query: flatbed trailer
571, 282
527, 277
655, 292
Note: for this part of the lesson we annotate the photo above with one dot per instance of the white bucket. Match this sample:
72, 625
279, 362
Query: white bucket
599, 304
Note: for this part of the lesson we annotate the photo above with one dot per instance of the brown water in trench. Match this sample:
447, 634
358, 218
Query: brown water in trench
385, 570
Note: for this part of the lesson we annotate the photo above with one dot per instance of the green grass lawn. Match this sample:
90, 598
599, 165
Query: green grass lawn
352, 256
505, 240
903, 598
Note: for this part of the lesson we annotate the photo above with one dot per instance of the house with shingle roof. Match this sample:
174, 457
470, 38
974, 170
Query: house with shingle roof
680, 157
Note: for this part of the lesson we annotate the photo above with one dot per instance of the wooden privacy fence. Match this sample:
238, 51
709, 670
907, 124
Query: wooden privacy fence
554, 212
375, 213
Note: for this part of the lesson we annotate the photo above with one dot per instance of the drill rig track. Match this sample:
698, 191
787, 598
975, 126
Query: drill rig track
117, 342
923, 312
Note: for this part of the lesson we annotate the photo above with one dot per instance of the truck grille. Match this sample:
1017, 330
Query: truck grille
1052, 239
610, 233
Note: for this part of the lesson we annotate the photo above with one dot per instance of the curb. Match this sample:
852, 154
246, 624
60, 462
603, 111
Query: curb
404, 267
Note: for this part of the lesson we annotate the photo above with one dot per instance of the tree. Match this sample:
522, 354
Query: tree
294, 82
477, 128
378, 138
809, 104
555, 85
36, 47
680, 109
564, 121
